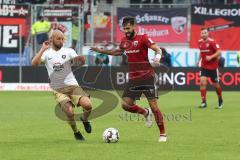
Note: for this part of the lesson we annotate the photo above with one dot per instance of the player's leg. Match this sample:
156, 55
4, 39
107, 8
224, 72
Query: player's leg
151, 93
87, 107
128, 100
215, 80
203, 91
68, 110
128, 104
81, 98
158, 118
219, 94
67, 107
203, 87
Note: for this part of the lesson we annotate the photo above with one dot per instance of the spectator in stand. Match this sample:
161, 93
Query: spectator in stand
75, 32
40, 29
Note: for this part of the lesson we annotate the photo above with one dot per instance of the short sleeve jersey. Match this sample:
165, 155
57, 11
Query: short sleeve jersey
137, 53
58, 64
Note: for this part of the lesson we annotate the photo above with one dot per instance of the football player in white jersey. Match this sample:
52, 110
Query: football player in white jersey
65, 87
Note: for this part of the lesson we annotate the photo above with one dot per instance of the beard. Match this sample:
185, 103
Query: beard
204, 37
130, 35
58, 46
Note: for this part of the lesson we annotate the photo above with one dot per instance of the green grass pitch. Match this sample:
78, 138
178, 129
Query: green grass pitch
29, 130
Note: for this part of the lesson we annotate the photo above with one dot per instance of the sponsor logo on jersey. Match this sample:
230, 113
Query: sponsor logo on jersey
205, 50
133, 51
58, 67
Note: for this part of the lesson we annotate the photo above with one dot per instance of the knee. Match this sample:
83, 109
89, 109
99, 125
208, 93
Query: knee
85, 103
87, 106
70, 115
216, 85
154, 107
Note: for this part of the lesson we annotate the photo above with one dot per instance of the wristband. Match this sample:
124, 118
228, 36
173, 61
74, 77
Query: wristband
158, 56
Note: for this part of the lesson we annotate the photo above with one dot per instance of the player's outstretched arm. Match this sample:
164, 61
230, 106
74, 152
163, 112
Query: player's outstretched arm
37, 58
114, 52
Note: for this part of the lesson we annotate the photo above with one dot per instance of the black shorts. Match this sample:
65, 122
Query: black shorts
213, 74
148, 87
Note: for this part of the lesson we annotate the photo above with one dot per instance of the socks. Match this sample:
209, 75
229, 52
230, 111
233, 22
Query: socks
157, 115
219, 92
73, 125
203, 94
136, 109
159, 120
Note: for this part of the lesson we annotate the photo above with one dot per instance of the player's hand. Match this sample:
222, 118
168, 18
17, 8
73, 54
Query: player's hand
156, 61
95, 49
208, 58
45, 45
81, 59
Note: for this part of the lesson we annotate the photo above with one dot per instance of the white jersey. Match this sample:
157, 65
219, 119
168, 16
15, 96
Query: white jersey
58, 64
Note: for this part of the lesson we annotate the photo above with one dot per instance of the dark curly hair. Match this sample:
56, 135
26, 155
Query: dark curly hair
128, 19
